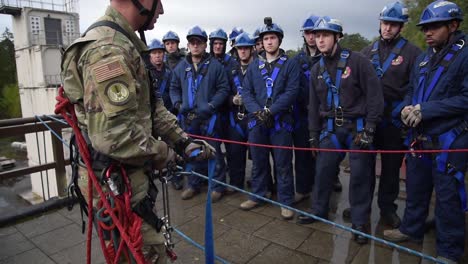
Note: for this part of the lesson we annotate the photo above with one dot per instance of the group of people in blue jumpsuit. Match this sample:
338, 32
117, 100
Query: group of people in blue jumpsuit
389, 96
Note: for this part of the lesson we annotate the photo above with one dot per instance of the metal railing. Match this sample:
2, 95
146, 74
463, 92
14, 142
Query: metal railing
54, 38
53, 80
56, 5
39, 130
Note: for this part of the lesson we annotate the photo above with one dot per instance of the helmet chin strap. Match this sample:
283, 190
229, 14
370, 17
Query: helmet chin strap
149, 16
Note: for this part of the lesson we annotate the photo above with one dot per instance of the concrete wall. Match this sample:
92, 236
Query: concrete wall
38, 70
26, 35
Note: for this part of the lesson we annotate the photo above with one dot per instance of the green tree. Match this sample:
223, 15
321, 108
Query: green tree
293, 53
10, 105
354, 42
9, 93
415, 9
7, 59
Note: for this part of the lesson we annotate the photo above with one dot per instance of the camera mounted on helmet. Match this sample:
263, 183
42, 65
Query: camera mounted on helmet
271, 27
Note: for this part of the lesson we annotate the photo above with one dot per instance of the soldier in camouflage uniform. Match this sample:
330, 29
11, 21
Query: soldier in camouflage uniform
105, 77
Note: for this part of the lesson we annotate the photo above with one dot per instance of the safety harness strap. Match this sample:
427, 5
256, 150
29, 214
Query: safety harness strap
235, 125
380, 70
163, 86
270, 80
424, 92
194, 83
305, 65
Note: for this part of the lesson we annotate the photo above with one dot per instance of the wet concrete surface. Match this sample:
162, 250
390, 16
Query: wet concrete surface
257, 236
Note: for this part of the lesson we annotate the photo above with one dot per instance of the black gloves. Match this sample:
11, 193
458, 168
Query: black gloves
265, 118
314, 143
365, 138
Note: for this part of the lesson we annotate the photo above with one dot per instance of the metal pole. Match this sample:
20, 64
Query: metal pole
60, 173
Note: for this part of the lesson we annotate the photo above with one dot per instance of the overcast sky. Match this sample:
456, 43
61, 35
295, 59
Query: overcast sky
358, 16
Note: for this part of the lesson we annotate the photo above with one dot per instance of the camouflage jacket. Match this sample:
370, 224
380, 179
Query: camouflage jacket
105, 77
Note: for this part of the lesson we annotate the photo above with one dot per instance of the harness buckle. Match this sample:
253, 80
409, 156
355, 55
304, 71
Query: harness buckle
334, 89
344, 55
416, 145
240, 115
268, 103
269, 83
191, 116
379, 72
460, 43
339, 117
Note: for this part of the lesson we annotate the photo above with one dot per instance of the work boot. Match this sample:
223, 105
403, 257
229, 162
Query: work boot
298, 197
337, 187
230, 191
305, 220
287, 214
447, 260
395, 235
347, 215
216, 196
189, 193
360, 239
177, 185
391, 219
249, 205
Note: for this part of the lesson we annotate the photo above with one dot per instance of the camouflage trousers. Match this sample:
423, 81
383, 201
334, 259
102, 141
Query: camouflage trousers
153, 241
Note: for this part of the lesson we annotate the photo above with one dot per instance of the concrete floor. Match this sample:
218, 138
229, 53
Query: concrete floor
258, 236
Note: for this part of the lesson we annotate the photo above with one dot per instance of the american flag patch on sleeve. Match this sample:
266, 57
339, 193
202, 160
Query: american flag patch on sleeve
108, 71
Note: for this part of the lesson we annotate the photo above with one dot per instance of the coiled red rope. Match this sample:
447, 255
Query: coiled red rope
127, 222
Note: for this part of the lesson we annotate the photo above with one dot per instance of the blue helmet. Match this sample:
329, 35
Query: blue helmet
244, 40
440, 11
395, 12
235, 32
256, 34
171, 35
271, 27
219, 34
197, 31
327, 23
156, 44
309, 23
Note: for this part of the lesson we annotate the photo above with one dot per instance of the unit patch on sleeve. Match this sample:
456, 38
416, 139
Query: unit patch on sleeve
108, 71
118, 92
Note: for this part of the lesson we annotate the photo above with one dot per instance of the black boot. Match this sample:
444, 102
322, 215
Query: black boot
391, 219
360, 239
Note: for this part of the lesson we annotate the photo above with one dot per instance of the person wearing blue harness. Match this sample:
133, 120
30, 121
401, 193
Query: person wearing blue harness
159, 71
258, 42
161, 76
436, 111
237, 115
199, 87
345, 105
304, 162
173, 54
218, 41
392, 57
232, 38
270, 89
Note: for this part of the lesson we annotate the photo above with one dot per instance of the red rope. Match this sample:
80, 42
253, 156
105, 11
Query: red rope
131, 234
419, 151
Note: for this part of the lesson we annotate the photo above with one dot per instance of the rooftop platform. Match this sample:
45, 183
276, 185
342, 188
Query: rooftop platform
258, 236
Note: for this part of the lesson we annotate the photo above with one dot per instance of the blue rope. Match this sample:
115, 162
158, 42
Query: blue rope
56, 119
191, 241
209, 245
385, 242
52, 131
